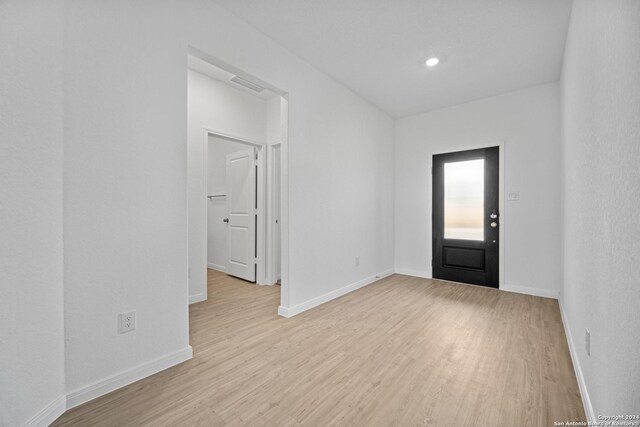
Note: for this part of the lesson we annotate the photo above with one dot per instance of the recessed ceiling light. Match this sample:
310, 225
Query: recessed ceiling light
432, 62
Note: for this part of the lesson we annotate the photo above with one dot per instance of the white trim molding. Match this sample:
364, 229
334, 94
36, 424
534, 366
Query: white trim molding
536, 292
197, 298
414, 273
216, 267
586, 401
114, 382
49, 414
314, 302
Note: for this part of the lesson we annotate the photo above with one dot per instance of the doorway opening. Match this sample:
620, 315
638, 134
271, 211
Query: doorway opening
466, 235
237, 168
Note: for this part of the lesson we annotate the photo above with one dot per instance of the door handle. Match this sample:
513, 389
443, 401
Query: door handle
225, 220
494, 216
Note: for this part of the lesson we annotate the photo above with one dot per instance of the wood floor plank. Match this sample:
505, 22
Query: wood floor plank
403, 351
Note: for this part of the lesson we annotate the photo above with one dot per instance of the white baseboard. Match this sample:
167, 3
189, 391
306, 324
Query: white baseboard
509, 288
114, 382
545, 293
49, 414
299, 308
216, 267
284, 311
197, 298
586, 401
266, 284
414, 273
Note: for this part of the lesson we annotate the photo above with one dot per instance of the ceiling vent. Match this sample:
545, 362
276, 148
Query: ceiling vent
246, 83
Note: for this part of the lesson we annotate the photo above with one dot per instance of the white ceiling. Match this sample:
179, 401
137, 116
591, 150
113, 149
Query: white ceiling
377, 48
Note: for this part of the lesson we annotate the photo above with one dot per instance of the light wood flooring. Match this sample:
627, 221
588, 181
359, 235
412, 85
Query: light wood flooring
401, 352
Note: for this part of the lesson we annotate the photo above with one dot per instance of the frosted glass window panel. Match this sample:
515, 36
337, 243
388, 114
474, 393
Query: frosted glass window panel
464, 200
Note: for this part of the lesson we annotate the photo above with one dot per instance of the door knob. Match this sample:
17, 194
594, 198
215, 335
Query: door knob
225, 220
494, 224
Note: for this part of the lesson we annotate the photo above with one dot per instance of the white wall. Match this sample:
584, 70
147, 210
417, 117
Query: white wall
340, 160
125, 216
218, 106
339, 144
31, 293
125, 176
217, 207
527, 122
601, 144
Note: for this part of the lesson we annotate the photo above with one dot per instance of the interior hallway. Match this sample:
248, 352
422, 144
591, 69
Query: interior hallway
402, 351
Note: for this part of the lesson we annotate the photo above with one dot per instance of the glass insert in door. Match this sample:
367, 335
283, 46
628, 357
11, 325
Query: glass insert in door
464, 200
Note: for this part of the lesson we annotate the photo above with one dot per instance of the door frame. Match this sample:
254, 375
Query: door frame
271, 212
501, 199
284, 167
264, 191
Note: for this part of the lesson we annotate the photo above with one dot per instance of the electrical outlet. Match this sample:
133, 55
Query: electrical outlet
587, 341
357, 261
513, 196
126, 322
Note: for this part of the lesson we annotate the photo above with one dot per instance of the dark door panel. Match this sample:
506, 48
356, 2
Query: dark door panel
461, 257
465, 222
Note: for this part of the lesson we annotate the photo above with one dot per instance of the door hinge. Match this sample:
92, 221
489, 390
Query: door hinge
431, 263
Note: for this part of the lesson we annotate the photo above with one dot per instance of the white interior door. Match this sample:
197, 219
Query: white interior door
241, 215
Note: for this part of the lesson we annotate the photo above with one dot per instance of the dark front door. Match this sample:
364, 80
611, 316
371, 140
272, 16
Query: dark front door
466, 222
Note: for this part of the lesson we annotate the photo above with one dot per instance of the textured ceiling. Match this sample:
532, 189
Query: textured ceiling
377, 48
